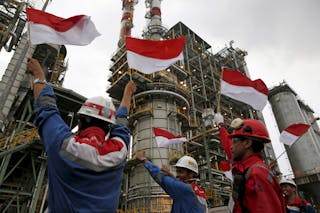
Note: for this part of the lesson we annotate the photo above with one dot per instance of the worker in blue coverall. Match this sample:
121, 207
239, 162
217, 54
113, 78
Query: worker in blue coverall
84, 171
187, 196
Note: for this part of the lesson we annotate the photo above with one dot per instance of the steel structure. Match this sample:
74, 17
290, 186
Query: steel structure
182, 100
304, 155
12, 22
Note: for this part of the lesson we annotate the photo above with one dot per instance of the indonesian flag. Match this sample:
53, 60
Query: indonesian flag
239, 87
47, 28
226, 168
291, 134
226, 141
148, 56
165, 138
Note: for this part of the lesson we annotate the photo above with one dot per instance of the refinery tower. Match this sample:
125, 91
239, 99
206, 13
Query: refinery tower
304, 154
180, 99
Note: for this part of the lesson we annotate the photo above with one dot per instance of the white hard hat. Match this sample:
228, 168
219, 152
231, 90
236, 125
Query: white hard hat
100, 108
188, 163
288, 181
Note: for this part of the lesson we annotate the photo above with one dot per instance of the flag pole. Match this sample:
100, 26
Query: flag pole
219, 93
160, 156
277, 158
29, 55
133, 98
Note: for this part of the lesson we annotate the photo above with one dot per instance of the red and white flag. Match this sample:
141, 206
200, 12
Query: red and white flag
226, 168
236, 85
226, 141
291, 134
148, 56
47, 28
165, 138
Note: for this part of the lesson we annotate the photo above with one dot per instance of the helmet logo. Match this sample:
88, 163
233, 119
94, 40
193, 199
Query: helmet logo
191, 163
247, 129
237, 123
105, 112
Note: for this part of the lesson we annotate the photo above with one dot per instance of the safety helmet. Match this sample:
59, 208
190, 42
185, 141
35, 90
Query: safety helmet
100, 108
188, 163
288, 181
250, 128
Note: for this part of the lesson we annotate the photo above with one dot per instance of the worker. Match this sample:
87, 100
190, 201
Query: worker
187, 196
293, 202
254, 186
84, 171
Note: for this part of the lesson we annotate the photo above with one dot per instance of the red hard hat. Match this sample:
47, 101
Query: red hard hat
250, 128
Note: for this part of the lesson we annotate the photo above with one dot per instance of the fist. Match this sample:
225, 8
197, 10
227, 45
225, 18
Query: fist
34, 67
218, 118
140, 156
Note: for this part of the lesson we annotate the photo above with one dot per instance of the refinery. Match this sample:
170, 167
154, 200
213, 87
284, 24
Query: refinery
182, 99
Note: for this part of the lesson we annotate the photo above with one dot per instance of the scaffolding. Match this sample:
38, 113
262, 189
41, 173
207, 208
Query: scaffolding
182, 99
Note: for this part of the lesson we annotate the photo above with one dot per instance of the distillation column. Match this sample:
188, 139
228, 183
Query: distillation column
126, 20
156, 106
12, 78
154, 29
304, 154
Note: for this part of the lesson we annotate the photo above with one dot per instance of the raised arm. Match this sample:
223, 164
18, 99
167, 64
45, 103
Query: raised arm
51, 127
127, 94
35, 68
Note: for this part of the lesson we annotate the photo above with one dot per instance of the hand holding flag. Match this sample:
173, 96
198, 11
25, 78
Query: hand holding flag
292, 133
239, 87
226, 168
47, 28
148, 56
165, 138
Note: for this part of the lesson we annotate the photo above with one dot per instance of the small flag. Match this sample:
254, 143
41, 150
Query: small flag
148, 56
239, 87
291, 134
226, 141
226, 168
165, 138
47, 28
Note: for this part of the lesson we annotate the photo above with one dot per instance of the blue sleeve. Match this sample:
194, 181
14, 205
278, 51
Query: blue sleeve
120, 129
309, 208
170, 185
52, 129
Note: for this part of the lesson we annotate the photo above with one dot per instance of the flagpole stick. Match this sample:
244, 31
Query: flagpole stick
281, 155
29, 55
160, 156
44, 7
289, 148
219, 93
218, 101
133, 98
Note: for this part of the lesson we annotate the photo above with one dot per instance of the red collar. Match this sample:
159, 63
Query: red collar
246, 163
297, 202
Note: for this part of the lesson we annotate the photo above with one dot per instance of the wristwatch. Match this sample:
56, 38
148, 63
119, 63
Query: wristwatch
39, 81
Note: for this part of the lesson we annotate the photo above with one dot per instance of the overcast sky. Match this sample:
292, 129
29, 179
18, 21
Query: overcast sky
280, 36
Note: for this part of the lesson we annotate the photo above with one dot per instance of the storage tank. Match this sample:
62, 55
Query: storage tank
304, 154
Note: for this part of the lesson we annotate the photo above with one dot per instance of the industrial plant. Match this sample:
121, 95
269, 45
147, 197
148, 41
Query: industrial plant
181, 99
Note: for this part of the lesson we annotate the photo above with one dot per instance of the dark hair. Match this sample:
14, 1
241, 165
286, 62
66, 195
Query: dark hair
87, 122
257, 145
